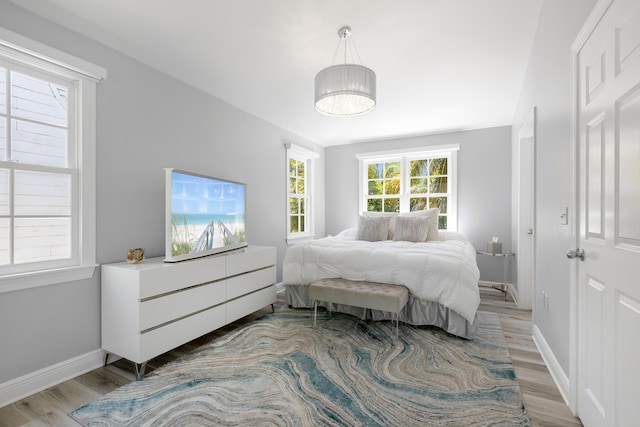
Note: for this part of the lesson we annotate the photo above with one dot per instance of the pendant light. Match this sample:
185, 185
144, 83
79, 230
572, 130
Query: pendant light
345, 90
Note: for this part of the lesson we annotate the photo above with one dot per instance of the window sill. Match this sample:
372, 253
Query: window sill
19, 282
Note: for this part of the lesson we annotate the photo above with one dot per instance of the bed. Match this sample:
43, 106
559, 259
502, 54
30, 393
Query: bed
441, 275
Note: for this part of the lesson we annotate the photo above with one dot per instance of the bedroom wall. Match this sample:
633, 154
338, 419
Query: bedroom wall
484, 186
547, 86
145, 121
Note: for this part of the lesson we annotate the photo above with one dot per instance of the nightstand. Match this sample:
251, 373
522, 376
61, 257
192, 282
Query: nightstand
505, 266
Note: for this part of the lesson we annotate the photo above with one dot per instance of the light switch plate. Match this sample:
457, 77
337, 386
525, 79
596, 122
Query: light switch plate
564, 217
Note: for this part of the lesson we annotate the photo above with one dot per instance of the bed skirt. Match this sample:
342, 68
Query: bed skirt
417, 312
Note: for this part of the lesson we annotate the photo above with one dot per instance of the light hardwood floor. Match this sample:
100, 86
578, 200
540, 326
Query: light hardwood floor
544, 403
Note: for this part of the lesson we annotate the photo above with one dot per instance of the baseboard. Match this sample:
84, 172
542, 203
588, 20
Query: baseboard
559, 377
19, 388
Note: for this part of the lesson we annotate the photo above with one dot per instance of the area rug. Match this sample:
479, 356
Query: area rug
281, 371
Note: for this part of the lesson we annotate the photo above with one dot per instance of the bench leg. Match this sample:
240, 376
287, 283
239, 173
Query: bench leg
397, 321
315, 312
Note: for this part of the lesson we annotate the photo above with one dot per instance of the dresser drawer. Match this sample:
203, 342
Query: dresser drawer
174, 276
247, 283
172, 306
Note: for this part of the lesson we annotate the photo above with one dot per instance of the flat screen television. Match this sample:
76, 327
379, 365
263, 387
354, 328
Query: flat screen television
204, 215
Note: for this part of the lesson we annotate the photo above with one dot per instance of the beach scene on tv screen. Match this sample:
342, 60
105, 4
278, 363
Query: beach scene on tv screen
206, 214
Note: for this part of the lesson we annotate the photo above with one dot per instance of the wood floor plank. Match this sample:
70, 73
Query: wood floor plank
542, 398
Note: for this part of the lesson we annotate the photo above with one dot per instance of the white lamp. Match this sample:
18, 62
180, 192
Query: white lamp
345, 90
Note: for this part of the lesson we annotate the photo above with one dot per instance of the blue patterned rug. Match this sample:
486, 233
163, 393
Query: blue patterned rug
281, 371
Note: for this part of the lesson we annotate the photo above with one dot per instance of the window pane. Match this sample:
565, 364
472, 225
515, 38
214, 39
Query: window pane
438, 202
374, 205
438, 185
39, 193
418, 186
301, 225
3, 91
375, 170
4, 241
294, 224
392, 170
392, 186
3, 138
38, 144
300, 186
38, 100
42, 239
300, 169
292, 185
392, 205
419, 167
293, 205
417, 203
442, 222
438, 166
292, 167
375, 188
302, 206
4, 192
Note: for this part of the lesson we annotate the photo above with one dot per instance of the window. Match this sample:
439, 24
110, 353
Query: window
47, 173
299, 191
404, 181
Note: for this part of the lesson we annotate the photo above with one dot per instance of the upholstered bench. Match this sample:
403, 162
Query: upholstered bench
375, 296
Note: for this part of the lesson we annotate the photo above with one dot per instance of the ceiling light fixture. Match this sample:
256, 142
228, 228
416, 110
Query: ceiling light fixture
345, 90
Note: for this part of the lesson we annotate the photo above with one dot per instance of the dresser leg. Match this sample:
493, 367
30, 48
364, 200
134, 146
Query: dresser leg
140, 367
106, 358
273, 308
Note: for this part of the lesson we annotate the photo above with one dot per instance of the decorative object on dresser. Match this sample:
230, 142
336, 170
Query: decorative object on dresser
153, 307
135, 256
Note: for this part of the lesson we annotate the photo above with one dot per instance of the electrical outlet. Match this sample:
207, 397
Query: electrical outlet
545, 300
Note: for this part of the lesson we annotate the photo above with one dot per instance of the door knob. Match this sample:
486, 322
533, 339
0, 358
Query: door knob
530, 231
578, 253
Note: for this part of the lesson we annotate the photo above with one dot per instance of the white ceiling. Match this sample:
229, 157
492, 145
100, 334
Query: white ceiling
441, 65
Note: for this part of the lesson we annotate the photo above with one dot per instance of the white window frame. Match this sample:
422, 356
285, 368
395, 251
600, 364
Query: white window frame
34, 55
404, 157
307, 156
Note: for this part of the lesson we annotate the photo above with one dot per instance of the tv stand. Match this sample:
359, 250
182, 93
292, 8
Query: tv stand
152, 307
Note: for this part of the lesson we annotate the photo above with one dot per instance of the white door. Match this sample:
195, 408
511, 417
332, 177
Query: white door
526, 202
608, 279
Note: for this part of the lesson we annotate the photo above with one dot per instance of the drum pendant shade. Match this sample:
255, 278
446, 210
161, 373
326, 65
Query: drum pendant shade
345, 90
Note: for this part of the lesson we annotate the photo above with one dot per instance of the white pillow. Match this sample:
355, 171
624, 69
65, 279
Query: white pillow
390, 215
372, 228
348, 232
432, 214
411, 228
452, 235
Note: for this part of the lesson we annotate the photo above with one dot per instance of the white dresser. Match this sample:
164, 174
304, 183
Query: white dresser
152, 307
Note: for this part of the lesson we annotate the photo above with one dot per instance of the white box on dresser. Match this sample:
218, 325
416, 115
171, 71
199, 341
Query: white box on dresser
152, 307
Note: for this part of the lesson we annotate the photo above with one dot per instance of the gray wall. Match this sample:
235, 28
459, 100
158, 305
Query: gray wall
484, 185
547, 86
146, 121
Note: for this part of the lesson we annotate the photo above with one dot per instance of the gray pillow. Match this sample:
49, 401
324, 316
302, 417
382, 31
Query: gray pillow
432, 214
411, 228
372, 228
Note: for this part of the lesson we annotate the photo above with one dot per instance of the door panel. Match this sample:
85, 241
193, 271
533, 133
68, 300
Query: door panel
608, 288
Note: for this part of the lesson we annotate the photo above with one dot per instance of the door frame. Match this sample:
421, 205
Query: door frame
574, 210
525, 294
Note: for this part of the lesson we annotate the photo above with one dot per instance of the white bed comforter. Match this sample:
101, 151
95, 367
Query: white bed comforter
442, 271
